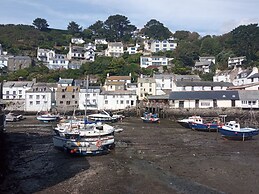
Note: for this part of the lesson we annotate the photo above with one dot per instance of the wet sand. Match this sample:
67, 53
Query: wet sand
148, 158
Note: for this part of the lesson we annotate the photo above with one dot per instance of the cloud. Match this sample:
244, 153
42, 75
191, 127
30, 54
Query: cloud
204, 17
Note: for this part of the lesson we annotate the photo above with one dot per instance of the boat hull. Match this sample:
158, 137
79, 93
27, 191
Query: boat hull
238, 135
83, 147
207, 127
150, 120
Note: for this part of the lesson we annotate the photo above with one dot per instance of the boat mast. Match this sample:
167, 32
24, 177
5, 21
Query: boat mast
86, 93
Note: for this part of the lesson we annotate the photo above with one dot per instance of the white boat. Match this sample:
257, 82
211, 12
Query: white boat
48, 117
104, 117
232, 130
84, 139
11, 117
185, 122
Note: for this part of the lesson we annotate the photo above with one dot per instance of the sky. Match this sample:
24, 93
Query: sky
207, 17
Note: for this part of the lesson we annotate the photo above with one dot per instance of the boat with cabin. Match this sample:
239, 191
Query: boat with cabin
232, 130
84, 138
48, 117
104, 116
185, 122
150, 118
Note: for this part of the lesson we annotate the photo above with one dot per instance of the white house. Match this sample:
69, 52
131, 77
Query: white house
204, 99
236, 61
59, 61
209, 58
164, 81
100, 41
117, 100
3, 61
81, 53
39, 98
242, 77
89, 97
15, 90
45, 54
164, 45
226, 75
133, 49
77, 40
115, 49
203, 66
146, 61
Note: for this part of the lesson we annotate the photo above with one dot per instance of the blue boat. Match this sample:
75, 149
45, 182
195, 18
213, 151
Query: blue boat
232, 130
210, 127
150, 118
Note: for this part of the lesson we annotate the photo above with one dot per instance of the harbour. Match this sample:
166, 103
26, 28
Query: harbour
148, 158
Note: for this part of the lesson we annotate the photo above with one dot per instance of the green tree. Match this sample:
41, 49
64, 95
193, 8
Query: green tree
156, 30
40, 23
97, 29
118, 28
74, 28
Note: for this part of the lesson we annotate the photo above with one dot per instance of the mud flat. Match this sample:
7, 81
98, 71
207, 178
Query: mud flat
148, 158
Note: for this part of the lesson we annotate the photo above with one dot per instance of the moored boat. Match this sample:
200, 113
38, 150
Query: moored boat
84, 139
103, 117
232, 130
208, 127
48, 117
185, 122
150, 118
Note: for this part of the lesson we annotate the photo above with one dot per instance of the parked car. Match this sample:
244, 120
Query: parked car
11, 117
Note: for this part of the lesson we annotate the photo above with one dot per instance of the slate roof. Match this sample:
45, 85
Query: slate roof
202, 63
204, 95
17, 84
248, 94
202, 83
256, 75
65, 81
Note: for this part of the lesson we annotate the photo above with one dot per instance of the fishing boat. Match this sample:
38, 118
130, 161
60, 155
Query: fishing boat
11, 117
206, 126
150, 118
48, 117
185, 122
84, 138
232, 130
103, 116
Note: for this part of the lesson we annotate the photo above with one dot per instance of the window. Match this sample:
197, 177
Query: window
67, 102
20, 91
61, 102
20, 96
30, 96
121, 101
43, 96
63, 96
150, 89
75, 102
37, 102
37, 96
127, 101
106, 101
14, 92
73, 96
31, 103
7, 92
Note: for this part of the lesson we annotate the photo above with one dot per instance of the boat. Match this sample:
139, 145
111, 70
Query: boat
232, 130
84, 138
185, 122
103, 116
11, 117
48, 117
210, 127
150, 118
